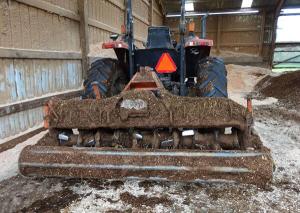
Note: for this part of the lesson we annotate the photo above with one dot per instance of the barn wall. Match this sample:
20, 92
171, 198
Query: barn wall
43, 46
157, 19
267, 50
26, 28
107, 16
236, 34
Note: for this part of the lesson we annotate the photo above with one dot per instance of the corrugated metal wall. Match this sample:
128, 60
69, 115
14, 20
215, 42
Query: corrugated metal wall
41, 49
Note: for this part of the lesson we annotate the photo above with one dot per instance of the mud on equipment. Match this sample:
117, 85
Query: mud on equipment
132, 123
149, 134
171, 165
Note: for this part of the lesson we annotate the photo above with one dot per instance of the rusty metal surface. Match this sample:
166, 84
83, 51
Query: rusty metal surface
174, 165
144, 80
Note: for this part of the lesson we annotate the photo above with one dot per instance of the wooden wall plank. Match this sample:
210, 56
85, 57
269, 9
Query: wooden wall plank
230, 32
66, 4
15, 19
5, 29
37, 54
51, 8
13, 142
41, 49
18, 85
32, 28
135, 14
25, 27
31, 104
19, 122
103, 26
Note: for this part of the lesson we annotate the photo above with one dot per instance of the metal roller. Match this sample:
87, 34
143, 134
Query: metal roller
172, 165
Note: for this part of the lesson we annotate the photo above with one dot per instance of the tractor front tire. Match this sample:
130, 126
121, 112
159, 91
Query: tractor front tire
105, 78
211, 78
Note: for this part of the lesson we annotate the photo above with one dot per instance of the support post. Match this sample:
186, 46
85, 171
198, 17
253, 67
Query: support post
262, 32
203, 26
84, 38
182, 48
279, 5
151, 12
219, 34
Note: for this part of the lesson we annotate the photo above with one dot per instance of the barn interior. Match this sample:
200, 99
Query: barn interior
48, 46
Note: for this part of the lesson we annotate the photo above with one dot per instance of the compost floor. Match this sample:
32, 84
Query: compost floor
277, 120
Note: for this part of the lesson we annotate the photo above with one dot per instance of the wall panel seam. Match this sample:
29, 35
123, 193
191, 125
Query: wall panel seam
122, 7
51, 8
37, 54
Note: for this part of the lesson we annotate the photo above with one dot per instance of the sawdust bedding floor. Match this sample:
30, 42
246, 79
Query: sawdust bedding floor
58, 195
278, 128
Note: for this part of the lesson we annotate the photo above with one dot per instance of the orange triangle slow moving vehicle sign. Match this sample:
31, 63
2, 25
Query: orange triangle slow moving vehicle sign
165, 64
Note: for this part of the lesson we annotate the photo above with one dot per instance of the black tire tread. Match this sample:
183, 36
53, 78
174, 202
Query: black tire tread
108, 75
211, 78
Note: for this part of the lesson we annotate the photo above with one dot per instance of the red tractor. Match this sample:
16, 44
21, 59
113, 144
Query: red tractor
160, 113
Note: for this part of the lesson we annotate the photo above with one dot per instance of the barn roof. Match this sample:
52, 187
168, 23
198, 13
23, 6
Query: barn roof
173, 6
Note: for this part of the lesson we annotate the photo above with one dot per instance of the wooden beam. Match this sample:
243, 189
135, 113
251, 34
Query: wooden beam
84, 36
162, 6
262, 33
151, 12
219, 34
157, 11
241, 29
31, 104
37, 54
279, 5
101, 25
43, 5
239, 45
228, 30
242, 59
146, 2
134, 14
13, 142
118, 4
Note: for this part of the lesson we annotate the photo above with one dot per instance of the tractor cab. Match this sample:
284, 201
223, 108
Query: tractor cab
159, 37
160, 48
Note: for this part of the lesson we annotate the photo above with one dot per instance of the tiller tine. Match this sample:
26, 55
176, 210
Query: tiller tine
169, 165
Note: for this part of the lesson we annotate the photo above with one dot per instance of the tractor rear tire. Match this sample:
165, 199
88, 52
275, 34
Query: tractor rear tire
211, 78
108, 76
